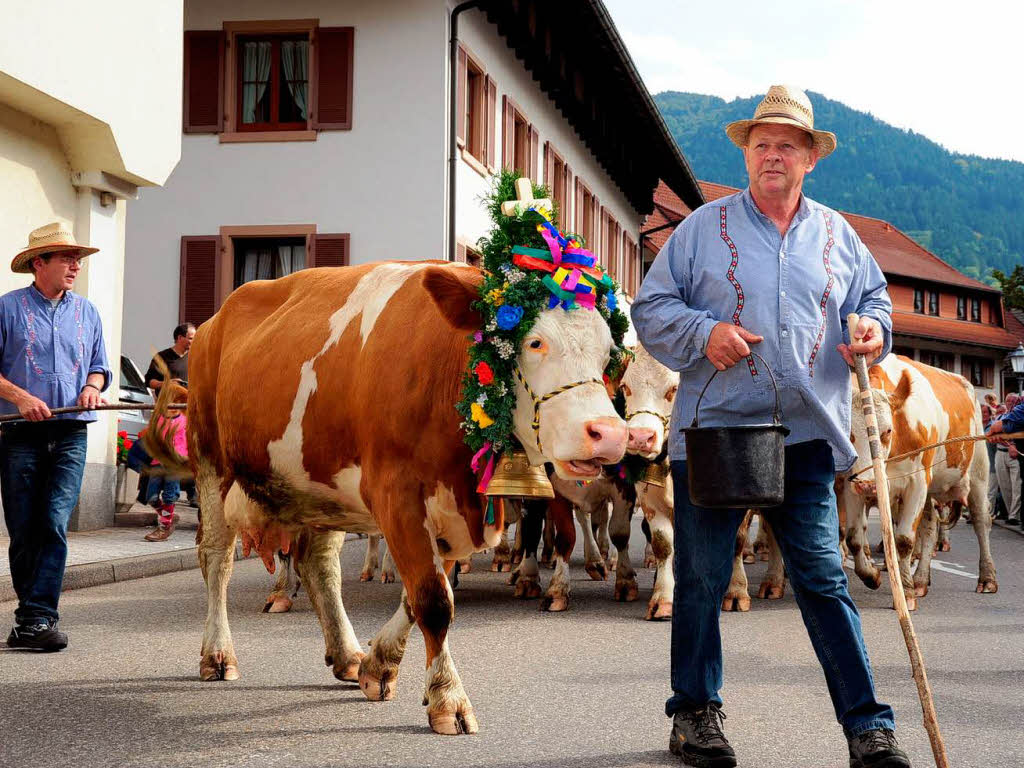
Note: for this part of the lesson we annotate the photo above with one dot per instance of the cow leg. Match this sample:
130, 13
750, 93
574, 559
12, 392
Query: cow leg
659, 608
502, 554
563, 526
736, 596
599, 520
216, 560
927, 534
773, 585
942, 544
517, 544
285, 588
650, 561
593, 561
372, 559
907, 519
626, 590
321, 566
378, 671
857, 539
388, 575
981, 521
762, 546
546, 554
526, 576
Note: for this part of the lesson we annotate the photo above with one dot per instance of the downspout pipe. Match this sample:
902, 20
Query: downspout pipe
453, 72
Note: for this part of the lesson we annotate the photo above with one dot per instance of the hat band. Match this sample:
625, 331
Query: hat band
786, 114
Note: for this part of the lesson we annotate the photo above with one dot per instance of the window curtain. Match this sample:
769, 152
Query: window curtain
295, 60
290, 258
255, 67
259, 264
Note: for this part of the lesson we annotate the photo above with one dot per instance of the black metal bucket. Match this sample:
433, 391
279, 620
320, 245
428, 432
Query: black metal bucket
736, 467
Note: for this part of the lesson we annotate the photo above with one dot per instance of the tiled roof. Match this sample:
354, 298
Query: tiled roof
925, 326
1015, 323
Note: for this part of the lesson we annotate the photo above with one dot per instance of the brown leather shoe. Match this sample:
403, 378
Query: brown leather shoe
160, 533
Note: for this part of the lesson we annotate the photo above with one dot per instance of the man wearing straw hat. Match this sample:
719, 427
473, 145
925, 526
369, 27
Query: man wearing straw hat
51, 356
771, 271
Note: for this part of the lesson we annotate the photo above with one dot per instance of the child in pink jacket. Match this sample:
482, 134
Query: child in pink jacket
162, 491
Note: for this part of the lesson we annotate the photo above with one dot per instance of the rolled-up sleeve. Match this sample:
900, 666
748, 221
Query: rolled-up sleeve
672, 331
1014, 420
869, 297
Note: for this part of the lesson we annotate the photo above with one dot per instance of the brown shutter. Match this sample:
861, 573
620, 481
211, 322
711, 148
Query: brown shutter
508, 134
549, 167
197, 287
566, 221
578, 209
461, 76
203, 107
490, 124
460, 252
597, 246
329, 250
534, 148
332, 78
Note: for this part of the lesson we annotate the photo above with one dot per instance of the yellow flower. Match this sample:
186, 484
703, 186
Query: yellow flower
496, 296
479, 415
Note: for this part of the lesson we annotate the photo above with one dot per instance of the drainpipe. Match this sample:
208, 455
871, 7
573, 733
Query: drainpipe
453, 69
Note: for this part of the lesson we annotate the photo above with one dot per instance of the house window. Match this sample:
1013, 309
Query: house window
273, 83
961, 308
267, 258
556, 178
933, 302
919, 300
475, 98
608, 255
520, 140
585, 217
468, 255
630, 266
977, 370
975, 310
942, 360
905, 351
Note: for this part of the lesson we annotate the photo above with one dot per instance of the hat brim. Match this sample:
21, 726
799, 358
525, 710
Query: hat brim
738, 132
21, 263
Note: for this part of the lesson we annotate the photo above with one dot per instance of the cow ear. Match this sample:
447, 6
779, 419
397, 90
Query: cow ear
899, 395
454, 289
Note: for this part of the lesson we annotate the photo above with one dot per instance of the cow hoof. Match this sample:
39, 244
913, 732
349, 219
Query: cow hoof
454, 723
613, 562
527, 589
513, 578
218, 666
500, 564
769, 591
373, 688
944, 547
279, 604
366, 576
987, 587
650, 561
517, 558
920, 590
739, 603
387, 577
346, 671
626, 591
554, 603
597, 571
872, 580
748, 558
659, 610
466, 566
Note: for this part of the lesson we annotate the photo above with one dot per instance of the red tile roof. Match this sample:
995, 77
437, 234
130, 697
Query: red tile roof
913, 324
1015, 323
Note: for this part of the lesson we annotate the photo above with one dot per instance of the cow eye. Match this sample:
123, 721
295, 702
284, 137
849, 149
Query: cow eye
671, 394
536, 344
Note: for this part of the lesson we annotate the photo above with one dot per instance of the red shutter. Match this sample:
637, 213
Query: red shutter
197, 289
534, 148
490, 124
203, 107
332, 77
329, 250
508, 134
461, 75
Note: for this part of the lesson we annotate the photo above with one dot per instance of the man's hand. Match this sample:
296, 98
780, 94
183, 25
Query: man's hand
865, 339
994, 430
728, 344
33, 409
90, 397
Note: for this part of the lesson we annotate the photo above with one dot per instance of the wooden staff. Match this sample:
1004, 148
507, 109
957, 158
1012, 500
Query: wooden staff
100, 407
924, 691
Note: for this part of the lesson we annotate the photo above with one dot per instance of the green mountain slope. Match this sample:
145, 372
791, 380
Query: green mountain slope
968, 210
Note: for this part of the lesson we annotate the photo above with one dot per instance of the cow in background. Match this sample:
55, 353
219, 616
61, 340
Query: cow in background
918, 405
368, 365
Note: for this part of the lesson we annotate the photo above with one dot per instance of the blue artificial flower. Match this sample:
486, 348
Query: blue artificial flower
612, 301
508, 316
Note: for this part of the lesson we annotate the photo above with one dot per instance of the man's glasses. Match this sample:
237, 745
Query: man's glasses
68, 259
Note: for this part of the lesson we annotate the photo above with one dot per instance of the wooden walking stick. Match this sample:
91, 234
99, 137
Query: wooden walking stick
924, 691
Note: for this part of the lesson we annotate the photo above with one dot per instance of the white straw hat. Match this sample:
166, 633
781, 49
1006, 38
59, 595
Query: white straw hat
783, 105
52, 238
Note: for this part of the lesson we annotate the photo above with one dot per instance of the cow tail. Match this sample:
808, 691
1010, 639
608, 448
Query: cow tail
159, 438
955, 510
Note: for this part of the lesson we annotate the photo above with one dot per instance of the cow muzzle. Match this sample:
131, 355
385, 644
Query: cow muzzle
641, 441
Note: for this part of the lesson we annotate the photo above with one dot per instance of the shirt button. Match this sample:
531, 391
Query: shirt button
782, 254
785, 333
783, 294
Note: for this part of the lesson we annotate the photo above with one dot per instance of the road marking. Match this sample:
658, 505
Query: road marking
953, 568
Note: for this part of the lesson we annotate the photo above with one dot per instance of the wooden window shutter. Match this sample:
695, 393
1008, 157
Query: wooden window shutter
460, 252
490, 124
203, 107
549, 167
578, 208
329, 250
565, 215
197, 287
461, 75
332, 89
508, 133
534, 149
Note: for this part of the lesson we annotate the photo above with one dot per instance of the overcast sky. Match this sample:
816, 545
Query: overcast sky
953, 71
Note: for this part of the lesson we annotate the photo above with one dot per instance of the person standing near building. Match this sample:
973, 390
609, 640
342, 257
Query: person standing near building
770, 271
990, 411
175, 356
1007, 453
52, 355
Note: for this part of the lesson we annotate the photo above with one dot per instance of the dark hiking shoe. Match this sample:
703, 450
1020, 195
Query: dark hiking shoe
37, 637
876, 749
697, 738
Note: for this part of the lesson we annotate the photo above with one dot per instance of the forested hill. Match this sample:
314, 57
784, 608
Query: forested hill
966, 209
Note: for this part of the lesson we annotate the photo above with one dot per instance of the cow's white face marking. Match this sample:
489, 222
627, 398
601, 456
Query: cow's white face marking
649, 386
562, 348
368, 299
445, 522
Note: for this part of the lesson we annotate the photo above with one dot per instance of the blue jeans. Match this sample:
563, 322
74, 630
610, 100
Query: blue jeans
806, 527
41, 468
166, 488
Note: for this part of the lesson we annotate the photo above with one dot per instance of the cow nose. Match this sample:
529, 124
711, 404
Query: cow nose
607, 438
641, 439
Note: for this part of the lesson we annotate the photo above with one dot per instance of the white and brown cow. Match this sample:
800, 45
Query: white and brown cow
324, 402
918, 405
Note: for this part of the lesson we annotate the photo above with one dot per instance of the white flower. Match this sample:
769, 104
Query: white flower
504, 347
502, 389
482, 398
513, 275
491, 326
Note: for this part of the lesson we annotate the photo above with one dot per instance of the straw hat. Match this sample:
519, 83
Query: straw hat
783, 105
52, 238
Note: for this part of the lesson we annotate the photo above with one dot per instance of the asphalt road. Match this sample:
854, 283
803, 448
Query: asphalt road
584, 688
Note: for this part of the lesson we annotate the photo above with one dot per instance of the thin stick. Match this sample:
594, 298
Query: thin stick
965, 439
924, 691
100, 407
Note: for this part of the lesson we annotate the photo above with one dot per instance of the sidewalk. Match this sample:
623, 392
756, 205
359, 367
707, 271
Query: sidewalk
119, 554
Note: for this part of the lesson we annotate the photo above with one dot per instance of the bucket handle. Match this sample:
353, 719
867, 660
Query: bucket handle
775, 415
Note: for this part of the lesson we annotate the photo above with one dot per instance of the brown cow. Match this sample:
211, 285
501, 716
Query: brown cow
324, 402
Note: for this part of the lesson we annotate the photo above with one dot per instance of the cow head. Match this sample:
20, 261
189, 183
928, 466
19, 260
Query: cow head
889, 413
561, 364
649, 388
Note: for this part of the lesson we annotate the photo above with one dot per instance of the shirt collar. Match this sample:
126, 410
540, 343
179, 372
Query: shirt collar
802, 211
41, 300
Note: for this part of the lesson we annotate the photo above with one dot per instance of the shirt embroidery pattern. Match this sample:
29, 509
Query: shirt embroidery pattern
31, 323
828, 290
731, 274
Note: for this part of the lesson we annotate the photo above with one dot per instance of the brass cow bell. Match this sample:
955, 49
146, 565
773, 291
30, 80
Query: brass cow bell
513, 476
655, 474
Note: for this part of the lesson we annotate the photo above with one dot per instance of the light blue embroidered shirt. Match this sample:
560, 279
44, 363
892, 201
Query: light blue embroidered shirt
50, 351
727, 262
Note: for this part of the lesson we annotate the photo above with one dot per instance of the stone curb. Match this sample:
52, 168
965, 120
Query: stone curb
122, 569
1013, 528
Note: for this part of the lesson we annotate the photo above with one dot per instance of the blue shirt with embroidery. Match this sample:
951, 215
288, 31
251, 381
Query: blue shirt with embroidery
1014, 420
728, 263
50, 351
